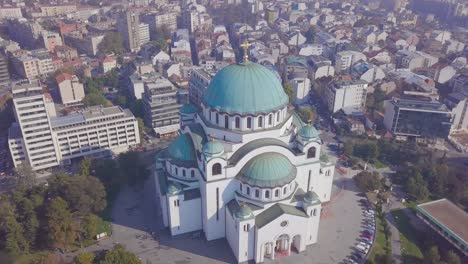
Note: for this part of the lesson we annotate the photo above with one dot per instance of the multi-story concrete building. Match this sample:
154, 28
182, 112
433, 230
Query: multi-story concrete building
85, 44
199, 81
46, 141
51, 40
345, 59
70, 88
34, 122
32, 64
10, 12
144, 33
4, 73
414, 59
56, 10
416, 118
128, 26
161, 19
161, 106
346, 95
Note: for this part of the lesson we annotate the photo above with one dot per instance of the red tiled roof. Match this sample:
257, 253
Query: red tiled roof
63, 76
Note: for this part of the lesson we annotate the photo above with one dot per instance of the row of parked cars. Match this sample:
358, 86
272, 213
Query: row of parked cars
366, 237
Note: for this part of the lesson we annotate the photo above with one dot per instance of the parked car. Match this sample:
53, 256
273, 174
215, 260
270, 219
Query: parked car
369, 236
366, 231
366, 240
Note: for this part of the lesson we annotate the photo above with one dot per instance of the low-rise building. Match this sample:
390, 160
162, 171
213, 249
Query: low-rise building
345, 59
414, 59
70, 88
108, 63
31, 64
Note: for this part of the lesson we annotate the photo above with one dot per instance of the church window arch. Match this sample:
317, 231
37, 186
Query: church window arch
240, 187
216, 169
311, 153
249, 122
257, 193
183, 172
270, 119
267, 194
277, 193
192, 173
226, 121
248, 190
217, 118
278, 116
260, 121
237, 121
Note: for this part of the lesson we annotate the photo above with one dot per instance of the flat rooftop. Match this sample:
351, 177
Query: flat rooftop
420, 105
88, 115
447, 215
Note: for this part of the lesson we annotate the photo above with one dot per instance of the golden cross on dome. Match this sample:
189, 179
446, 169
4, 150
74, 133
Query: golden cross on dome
246, 46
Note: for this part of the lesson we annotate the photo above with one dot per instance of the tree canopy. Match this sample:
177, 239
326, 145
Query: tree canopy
112, 43
119, 255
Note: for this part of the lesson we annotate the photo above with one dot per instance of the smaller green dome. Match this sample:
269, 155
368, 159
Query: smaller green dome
174, 188
244, 212
188, 109
212, 148
182, 149
311, 197
308, 132
268, 170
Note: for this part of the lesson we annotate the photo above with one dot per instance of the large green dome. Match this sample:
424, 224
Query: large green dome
247, 88
268, 170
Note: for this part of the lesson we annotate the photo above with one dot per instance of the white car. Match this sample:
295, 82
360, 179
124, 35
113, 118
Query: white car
362, 248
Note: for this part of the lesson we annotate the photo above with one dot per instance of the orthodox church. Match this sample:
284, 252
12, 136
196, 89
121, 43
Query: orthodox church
245, 167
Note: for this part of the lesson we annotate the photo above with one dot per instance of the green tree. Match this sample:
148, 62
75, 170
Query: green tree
112, 43
28, 219
452, 258
92, 99
417, 187
61, 227
137, 108
25, 175
432, 256
141, 127
307, 114
90, 225
83, 194
84, 168
84, 258
119, 255
348, 148
289, 91
12, 238
132, 167
368, 181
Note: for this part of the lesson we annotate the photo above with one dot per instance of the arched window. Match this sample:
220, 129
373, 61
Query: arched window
276, 193
237, 122
267, 194
311, 153
241, 187
183, 173
226, 121
176, 171
248, 190
278, 116
285, 190
249, 122
260, 121
216, 169
192, 173
257, 193
217, 118
270, 119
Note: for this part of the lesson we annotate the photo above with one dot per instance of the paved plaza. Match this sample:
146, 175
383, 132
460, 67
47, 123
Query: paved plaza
136, 219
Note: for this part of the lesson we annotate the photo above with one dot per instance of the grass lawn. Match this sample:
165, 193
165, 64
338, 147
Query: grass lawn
379, 165
410, 243
379, 246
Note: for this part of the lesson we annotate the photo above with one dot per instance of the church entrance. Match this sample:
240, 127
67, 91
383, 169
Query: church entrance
282, 245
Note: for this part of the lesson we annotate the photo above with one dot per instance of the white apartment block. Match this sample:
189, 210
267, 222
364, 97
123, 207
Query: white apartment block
144, 33
70, 88
414, 59
345, 59
346, 95
47, 141
33, 63
34, 123
199, 81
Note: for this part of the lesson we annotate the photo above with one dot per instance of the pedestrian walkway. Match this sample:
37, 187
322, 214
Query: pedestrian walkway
396, 243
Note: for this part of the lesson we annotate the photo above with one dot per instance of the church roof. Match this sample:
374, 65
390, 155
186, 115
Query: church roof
247, 88
276, 211
308, 132
255, 144
213, 148
181, 149
268, 170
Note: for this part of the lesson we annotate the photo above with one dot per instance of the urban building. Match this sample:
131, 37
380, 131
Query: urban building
161, 106
417, 118
161, 19
233, 172
447, 220
346, 95
51, 40
26, 33
85, 44
56, 10
199, 81
46, 140
4, 73
129, 28
345, 59
414, 59
70, 88
10, 13
108, 63
31, 64
144, 33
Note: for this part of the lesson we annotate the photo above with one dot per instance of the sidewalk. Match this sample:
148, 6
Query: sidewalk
396, 243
